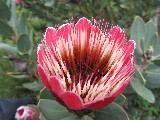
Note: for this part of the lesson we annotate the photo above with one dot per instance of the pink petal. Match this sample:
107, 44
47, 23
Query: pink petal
82, 41
102, 103
83, 26
56, 86
117, 34
64, 31
99, 104
50, 36
40, 54
43, 77
72, 100
130, 46
122, 88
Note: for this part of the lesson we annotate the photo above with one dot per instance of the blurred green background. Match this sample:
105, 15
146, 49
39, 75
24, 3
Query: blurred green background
22, 26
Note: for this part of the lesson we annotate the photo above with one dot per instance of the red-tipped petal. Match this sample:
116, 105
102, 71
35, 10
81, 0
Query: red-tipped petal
40, 54
130, 46
72, 100
50, 36
102, 103
64, 31
83, 28
43, 77
83, 24
99, 104
122, 88
56, 86
117, 34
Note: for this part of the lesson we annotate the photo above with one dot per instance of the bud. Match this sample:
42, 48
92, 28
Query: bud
26, 113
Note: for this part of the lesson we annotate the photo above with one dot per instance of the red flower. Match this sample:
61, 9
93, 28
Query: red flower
84, 66
26, 113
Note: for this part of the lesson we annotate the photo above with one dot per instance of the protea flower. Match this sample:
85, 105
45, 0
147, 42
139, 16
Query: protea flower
85, 66
26, 113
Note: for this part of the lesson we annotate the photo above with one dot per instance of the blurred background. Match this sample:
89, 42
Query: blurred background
22, 26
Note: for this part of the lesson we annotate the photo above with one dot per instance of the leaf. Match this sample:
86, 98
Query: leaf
153, 78
151, 30
139, 75
138, 30
13, 19
111, 112
142, 91
45, 94
21, 25
156, 62
49, 3
52, 110
35, 86
5, 29
24, 44
5, 13
86, 118
74, 117
8, 48
120, 100
155, 45
41, 117
19, 76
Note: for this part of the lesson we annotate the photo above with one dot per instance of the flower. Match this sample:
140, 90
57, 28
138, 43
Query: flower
26, 113
85, 66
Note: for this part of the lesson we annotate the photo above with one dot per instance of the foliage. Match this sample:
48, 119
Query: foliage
21, 28
116, 12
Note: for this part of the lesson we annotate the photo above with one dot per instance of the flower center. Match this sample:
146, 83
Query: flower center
20, 112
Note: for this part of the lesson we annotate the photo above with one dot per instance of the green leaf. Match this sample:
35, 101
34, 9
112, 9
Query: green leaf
138, 30
151, 30
156, 62
22, 76
5, 29
155, 45
86, 118
41, 117
4, 11
52, 110
111, 112
49, 3
8, 48
35, 86
13, 19
45, 94
74, 117
153, 78
142, 91
139, 75
21, 25
120, 100
24, 44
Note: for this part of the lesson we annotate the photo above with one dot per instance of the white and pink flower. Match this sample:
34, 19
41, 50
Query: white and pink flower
26, 113
83, 66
